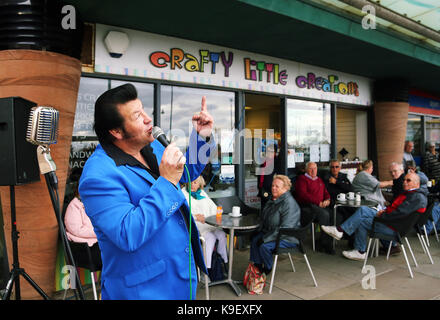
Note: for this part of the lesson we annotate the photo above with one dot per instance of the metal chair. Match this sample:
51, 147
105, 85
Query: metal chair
421, 230
300, 234
206, 278
402, 225
88, 258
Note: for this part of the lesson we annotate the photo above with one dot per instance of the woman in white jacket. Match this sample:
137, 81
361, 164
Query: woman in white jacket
201, 207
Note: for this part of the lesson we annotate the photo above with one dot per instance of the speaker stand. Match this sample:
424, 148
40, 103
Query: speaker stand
16, 271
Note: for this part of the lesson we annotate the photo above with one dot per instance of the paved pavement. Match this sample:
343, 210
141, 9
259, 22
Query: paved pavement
338, 278
341, 279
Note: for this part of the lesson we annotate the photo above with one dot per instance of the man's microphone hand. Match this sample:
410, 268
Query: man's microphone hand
202, 121
172, 164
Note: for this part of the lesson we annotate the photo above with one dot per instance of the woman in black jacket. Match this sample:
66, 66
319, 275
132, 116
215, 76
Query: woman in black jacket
281, 211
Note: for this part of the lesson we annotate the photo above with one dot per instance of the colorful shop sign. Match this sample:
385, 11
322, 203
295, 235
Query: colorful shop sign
159, 57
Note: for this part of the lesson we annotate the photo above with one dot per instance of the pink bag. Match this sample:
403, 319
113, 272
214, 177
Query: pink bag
254, 280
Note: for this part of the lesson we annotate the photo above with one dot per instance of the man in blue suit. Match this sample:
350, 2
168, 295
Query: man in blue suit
130, 190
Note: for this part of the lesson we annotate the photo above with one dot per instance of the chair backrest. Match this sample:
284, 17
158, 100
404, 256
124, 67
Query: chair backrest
228, 202
402, 225
424, 217
85, 256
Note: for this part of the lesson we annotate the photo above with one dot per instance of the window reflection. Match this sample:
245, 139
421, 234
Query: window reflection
308, 132
433, 130
145, 94
414, 133
178, 104
89, 91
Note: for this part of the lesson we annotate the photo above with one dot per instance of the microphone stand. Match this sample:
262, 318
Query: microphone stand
47, 167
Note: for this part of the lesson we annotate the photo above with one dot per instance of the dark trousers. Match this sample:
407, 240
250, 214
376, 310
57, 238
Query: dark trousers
323, 217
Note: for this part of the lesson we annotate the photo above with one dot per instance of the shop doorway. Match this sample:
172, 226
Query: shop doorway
262, 135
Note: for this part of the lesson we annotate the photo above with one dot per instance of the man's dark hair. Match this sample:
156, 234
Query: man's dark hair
107, 116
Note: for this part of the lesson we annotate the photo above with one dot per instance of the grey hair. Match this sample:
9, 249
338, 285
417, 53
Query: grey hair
396, 164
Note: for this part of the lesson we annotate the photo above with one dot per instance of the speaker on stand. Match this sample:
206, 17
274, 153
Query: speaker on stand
19, 166
27, 155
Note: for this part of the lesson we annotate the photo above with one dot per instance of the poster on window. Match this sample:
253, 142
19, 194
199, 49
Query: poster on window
314, 152
325, 152
291, 158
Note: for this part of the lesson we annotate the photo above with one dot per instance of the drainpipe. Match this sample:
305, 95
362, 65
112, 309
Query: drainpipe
396, 18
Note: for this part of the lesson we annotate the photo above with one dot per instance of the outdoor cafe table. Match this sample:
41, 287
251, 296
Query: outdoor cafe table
353, 204
248, 222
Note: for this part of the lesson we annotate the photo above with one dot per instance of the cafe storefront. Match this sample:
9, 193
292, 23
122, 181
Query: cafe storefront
309, 113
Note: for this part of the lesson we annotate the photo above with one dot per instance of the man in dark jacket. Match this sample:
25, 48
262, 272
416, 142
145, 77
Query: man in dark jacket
337, 182
398, 174
413, 199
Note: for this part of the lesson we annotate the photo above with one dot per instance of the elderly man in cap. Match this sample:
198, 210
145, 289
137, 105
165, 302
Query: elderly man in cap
413, 199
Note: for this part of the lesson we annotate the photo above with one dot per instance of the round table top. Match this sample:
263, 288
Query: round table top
250, 221
354, 203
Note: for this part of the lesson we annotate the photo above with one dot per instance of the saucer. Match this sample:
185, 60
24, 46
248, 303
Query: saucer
234, 216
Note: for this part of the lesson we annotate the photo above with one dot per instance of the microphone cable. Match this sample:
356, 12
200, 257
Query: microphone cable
190, 232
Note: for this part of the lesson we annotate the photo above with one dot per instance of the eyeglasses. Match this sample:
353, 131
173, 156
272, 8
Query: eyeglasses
407, 180
334, 167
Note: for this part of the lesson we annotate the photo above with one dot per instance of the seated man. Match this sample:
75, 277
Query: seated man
337, 182
411, 166
413, 199
313, 198
396, 171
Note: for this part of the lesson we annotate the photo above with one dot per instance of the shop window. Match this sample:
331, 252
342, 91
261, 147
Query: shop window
145, 94
414, 133
84, 140
308, 133
178, 104
432, 131
89, 90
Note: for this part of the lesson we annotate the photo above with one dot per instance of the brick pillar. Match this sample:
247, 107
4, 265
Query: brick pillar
49, 79
391, 117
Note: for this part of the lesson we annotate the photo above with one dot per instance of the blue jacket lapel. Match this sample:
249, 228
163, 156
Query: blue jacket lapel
143, 173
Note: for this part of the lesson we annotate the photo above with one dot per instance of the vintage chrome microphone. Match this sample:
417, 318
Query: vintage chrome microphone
42, 130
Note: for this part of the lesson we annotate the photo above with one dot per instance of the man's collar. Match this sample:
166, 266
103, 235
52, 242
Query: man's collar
122, 158
308, 176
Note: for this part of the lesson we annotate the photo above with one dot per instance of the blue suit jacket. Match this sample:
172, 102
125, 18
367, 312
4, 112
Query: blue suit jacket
141, 232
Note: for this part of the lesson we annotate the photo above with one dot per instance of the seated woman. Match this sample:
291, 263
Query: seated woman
368, 186
281, 211
78, 225
201, 207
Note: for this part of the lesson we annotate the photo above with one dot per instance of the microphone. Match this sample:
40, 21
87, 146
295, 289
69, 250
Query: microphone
43, 126
160, 136
42, 130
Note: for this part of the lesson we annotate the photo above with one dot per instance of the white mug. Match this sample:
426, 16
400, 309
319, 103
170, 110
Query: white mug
350, 195
341, 197
235, 211
358, 197
429, 184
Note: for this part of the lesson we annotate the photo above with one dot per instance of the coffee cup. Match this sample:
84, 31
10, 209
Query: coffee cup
358, 197
341, 197
350, 196
235, 211
429, 184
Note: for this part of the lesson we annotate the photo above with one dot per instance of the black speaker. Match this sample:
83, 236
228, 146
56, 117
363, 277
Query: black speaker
18, 158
